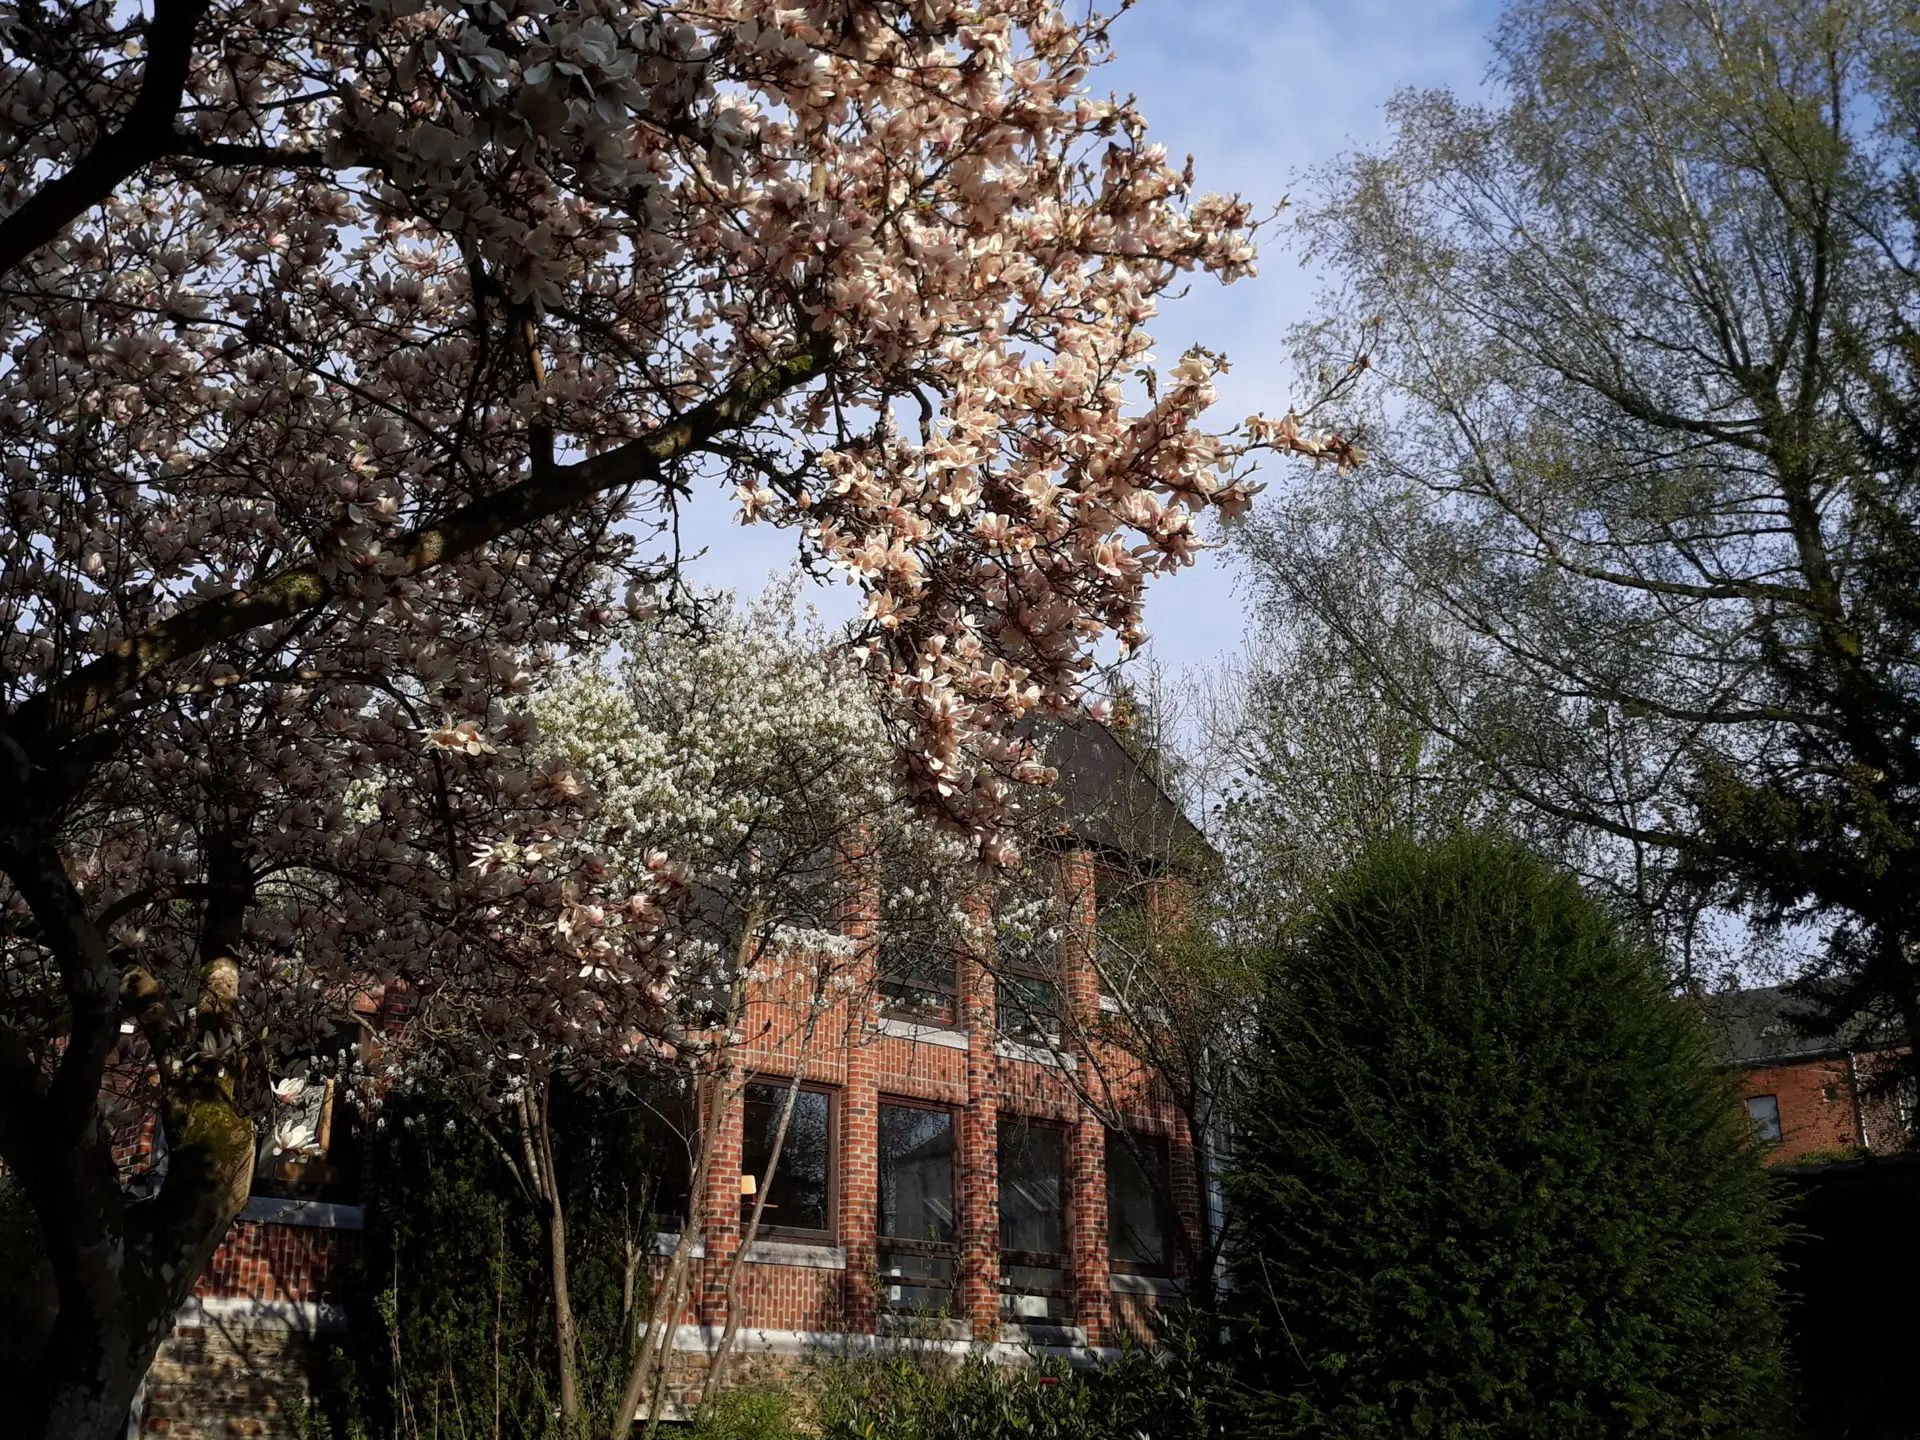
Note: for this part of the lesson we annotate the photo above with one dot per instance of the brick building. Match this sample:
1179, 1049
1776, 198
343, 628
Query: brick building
943, 1173
1809, 1097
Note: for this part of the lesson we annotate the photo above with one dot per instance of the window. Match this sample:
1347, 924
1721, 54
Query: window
917, 1236
1027, 1009
1137, 1228
917, 963
1034, 1267
800, 1193
918, 984
669, 1133
1122, 929
308, 1146
1764, 1112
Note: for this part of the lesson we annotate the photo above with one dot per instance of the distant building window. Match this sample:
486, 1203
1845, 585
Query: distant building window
1764, 1112
800, 1193
917, 1237
1122, 929
1035, 1270
1138, 1234
917, 964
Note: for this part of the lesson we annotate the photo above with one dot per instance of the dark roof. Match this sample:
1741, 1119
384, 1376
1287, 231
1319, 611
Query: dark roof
1110, 802
1756, 1027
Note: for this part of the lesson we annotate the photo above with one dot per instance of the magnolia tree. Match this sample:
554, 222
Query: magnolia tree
359, 359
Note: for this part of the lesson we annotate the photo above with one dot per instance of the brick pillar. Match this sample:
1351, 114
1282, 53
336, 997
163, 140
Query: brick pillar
1185, 1184
1086, 1137
859, 1121
978, 1300
722, 1229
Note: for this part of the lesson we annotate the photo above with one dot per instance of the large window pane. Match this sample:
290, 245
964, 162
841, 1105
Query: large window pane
916, 1173
800, 1195
669, 1134
918, 983
916, 1220
1028, 1009
1136, 1212
1033, 1167
1764, 1112
1035, 1281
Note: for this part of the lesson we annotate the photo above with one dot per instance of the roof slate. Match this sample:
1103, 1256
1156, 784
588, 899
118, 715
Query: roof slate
1770, 1025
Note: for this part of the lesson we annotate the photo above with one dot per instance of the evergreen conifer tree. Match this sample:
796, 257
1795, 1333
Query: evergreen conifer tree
1486, 1183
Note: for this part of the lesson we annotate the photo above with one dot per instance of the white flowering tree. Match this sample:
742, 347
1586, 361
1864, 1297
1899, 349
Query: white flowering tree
741, 744
359, 358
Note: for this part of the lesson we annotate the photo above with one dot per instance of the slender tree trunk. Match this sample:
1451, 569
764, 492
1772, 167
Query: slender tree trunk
723, 1354
536, 1139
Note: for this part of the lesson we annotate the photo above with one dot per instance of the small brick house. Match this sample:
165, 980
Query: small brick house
941, 1168
1809, 1098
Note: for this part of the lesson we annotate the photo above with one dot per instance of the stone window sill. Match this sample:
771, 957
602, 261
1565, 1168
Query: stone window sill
314, 1214
799, 1254
1034, 1055
1144, 1285
924, 1034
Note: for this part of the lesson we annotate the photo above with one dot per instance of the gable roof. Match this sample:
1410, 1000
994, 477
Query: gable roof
1771, 1025
1109, 802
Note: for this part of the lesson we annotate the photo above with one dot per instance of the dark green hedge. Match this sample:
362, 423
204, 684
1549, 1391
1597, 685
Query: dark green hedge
1486, 1184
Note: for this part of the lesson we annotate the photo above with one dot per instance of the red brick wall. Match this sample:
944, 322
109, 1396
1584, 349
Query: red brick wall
280, 1262
862, 1065
1827, 1104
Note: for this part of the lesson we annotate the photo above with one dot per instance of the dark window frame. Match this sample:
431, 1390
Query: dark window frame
332, 1174
1161, 1196
902, 988
1060, 1260
770, 1226
666, 1220
932, 1250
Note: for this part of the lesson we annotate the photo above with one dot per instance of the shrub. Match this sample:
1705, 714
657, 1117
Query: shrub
745, 1414
1169, 1394
1485, 1183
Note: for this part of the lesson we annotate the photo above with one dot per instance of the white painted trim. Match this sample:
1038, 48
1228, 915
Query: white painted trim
665, 1241
238, 1312
796, 1253
1144, 1285
924, 1034
1035, 1055
318, 1214
1109, 1004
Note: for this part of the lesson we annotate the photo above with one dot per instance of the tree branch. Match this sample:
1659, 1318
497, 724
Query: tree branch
143, 136
97, 692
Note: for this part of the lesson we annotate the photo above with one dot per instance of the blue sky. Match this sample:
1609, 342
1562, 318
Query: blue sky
1257, 91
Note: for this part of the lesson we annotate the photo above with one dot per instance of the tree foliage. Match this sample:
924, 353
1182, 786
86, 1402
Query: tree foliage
1486, 1183
1643, 451
360, 359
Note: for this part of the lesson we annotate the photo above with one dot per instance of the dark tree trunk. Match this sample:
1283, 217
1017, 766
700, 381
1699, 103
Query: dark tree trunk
122, 1269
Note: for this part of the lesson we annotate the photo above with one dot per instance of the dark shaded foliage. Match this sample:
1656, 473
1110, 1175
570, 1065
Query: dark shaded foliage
1486, 1182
